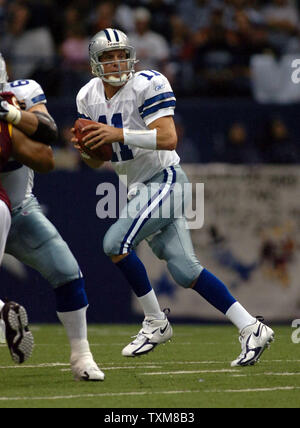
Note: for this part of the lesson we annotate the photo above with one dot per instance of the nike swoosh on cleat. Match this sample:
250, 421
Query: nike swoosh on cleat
257, 334
163, 330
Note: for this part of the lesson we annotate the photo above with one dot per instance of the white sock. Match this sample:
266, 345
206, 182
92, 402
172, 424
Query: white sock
239, 316
1, 305
76, 328
151, 306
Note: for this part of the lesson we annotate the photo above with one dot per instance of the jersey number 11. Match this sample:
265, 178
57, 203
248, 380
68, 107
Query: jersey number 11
124, 153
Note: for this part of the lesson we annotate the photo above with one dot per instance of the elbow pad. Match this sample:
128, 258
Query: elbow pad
47, 132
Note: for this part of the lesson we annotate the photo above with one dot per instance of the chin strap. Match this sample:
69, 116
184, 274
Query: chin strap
117, 81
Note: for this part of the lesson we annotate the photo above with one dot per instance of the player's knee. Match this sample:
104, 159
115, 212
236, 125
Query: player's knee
184, 271
61, 266
111, 243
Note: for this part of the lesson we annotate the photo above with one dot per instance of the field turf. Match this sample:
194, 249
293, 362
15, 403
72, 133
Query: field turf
192, 371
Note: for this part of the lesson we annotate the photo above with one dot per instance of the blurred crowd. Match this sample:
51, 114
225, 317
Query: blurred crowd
207, 48
273, 143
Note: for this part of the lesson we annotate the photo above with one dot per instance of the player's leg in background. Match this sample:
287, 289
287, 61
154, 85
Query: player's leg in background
174, 245
14, 320
35, 241
4, 229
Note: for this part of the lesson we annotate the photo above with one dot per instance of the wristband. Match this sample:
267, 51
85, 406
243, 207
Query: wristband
14, 115
145, 139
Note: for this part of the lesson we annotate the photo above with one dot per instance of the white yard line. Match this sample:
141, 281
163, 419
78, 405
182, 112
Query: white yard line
142, 364
267, 374
108, 394
53, 365
141, 393
35, 366
187, 362
276, 388
189, 372
118, 368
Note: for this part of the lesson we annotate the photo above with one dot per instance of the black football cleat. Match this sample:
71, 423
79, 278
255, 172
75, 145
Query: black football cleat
19, 338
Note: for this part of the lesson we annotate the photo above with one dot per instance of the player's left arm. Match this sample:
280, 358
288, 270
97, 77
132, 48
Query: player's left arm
36, 122
166, 137
160, 136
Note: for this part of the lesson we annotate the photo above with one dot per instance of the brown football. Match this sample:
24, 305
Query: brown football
103, 152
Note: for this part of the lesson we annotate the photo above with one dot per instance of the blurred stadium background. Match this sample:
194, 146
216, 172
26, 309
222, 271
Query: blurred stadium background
230, 64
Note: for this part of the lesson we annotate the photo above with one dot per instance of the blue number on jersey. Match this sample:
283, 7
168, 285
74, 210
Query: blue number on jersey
125, 152
17, 83
149, 77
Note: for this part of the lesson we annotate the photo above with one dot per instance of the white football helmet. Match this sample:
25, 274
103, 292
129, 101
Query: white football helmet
3, 73
110, 40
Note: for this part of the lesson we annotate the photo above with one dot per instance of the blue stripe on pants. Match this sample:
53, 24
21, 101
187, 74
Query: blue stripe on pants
158, 200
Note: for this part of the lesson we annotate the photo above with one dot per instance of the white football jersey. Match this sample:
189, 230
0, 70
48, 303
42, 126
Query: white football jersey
18, 179
145, 97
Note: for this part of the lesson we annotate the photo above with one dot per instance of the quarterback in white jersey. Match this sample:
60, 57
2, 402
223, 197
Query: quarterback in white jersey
32, 238
152, 92
135, 112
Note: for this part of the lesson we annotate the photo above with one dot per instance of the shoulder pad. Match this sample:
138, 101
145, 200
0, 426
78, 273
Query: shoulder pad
28, 91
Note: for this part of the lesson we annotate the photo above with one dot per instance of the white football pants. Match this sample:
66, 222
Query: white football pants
5, 223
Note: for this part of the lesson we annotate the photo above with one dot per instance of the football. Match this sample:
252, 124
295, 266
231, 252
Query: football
103, 153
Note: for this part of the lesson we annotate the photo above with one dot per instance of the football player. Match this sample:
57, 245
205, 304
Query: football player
32, 238
135, 114
14, 320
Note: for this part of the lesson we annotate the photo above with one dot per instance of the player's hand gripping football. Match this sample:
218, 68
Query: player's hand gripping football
93, 159
99, 134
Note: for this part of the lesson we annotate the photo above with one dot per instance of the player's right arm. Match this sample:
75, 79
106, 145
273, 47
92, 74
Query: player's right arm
33, 154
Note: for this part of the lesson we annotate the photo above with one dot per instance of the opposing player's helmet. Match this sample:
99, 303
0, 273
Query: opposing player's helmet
111, 40
3, 73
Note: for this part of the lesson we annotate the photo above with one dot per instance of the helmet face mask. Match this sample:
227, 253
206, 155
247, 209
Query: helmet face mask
3, 73
106, 41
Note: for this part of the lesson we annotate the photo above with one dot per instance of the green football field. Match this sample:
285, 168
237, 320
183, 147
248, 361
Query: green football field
192, 371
